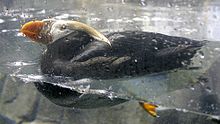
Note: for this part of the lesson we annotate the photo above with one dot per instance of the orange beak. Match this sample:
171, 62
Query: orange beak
32, 29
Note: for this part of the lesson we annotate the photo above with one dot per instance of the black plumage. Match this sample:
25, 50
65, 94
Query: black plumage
132, 53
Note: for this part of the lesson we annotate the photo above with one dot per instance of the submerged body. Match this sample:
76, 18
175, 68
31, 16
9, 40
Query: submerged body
115, 60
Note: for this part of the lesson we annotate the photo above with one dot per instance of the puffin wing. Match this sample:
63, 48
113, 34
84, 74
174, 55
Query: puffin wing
178, 49
131, 54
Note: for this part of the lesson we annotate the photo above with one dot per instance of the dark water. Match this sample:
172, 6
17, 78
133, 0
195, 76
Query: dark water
22, 103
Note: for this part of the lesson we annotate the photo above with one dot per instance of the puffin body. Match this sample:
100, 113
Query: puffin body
132, 53
79, 51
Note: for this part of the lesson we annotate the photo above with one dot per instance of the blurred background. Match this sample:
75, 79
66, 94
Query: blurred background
21, 103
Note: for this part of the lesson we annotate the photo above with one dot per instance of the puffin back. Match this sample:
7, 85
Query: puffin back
131, 54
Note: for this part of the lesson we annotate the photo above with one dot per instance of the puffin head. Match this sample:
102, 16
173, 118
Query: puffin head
49, 30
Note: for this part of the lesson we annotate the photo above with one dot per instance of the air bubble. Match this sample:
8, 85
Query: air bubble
169, 5
184, 110
208, 89
143, 3
201, 55
154, 40
192, 88
66, 39
110, 9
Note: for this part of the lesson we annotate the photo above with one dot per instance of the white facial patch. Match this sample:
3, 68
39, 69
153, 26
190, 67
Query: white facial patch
62, 28
59, 29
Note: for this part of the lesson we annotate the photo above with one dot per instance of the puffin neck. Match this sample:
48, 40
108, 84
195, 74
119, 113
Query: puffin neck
70, 45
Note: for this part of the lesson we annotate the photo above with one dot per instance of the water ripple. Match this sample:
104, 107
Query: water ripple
20, 63
2, 21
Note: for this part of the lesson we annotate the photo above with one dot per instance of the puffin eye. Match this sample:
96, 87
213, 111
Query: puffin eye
63, 27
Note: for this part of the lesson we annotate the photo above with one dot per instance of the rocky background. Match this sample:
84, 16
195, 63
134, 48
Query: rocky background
21, 103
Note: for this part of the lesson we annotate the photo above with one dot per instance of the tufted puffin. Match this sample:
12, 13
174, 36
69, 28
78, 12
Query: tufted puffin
77, 50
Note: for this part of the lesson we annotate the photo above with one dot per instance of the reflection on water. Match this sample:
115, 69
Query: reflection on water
22, 103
